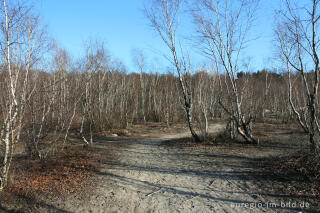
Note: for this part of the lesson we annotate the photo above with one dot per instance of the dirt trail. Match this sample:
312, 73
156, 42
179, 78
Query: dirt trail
150, 176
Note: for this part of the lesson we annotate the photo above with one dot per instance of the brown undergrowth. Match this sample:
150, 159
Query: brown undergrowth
301, 164
59, 175
71, 171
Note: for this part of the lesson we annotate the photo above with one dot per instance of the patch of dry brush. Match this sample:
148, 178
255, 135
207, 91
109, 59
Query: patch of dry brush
61, 175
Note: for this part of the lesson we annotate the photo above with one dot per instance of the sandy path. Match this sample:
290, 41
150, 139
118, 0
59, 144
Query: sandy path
151, 177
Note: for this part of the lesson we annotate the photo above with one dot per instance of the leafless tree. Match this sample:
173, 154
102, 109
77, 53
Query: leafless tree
204, 96
298, 39
140, 61
223, 27
163, 16
21, 38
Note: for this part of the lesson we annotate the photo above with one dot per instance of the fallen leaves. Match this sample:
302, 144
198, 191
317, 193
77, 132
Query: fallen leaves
61, 175
298, 164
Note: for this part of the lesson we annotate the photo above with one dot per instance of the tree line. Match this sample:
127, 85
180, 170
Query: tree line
45, 93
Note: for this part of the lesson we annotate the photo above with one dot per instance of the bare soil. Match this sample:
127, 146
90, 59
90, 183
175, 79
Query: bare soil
153, 169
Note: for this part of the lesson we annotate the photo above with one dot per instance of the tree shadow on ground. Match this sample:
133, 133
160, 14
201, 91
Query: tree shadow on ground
167, 188
30, 204
231, 164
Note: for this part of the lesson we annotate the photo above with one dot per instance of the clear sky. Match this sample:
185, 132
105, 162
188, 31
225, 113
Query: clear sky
123, 26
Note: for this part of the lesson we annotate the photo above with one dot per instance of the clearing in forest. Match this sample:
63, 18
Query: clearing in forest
159, 172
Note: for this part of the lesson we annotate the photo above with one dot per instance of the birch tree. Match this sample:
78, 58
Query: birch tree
163, 16
19, 37
140, 61
223, 27
298, 41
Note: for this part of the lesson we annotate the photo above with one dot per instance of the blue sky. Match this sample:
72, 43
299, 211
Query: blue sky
122, 25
